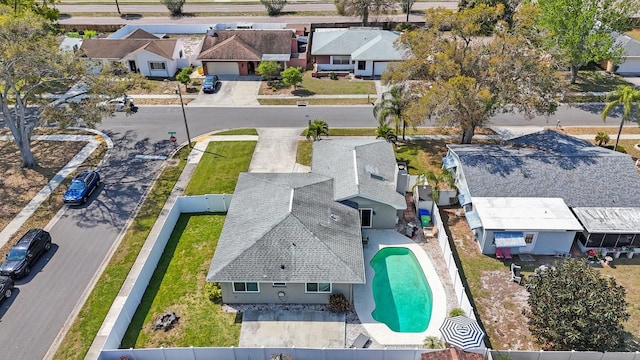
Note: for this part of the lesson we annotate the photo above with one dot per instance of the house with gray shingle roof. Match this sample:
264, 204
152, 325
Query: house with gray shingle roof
286, 240
139, 51
629, 64
549, 189
364, 51
297, 238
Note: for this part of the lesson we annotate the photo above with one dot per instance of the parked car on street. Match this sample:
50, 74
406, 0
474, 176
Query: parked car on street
24, 253
210, 83
81, 187
6, 287
122, 103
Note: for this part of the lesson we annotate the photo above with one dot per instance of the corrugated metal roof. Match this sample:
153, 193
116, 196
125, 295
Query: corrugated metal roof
609, 220
525, 214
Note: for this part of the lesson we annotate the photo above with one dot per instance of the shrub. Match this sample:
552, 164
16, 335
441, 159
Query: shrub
339, 303
213, 291
274, 7
432, 342
457, 312
174, 6
333, 75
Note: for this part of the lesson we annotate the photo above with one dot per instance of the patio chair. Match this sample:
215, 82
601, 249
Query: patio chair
516, 276
360, 342
507, 253
499, 253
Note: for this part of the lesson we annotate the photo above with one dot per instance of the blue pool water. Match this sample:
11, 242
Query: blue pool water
401, 292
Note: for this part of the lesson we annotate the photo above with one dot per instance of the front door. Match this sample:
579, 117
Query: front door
132, 66
366, 218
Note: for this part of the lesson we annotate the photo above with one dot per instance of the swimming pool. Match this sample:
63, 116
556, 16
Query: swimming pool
401, 292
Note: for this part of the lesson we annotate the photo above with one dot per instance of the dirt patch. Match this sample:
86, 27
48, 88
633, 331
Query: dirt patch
498, 300
20, 185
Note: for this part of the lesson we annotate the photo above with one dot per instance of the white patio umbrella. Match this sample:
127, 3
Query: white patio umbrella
462, 332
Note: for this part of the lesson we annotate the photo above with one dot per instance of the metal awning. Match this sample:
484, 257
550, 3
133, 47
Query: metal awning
448, 162
509, 239
276, 57
464, 197
473, 220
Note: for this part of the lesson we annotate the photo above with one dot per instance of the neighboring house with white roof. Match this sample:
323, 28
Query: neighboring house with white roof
531, 185
364, 51
297, 238
139, 51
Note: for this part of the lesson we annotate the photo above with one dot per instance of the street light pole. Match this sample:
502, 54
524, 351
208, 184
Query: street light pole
184, 116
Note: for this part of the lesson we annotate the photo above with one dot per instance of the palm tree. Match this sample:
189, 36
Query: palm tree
385, 132
316, 129
602, 138
393, 106
435, 180
626, 96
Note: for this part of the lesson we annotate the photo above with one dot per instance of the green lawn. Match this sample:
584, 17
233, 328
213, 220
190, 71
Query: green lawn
80, 336
238, 132
303, 155
178, 285
596, 81
219, 167
342, 86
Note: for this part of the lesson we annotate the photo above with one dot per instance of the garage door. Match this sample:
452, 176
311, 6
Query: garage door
629, 67
222, 68
379, 67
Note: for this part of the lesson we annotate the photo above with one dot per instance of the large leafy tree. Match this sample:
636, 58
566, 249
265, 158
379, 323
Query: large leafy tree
462, 80
274, 7
292, 76
573, 307
367, 10
629, 98
580, 31
30, 66
393, 108
41, 8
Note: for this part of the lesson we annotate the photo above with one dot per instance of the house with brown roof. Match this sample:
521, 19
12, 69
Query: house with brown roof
139, 51
238, 52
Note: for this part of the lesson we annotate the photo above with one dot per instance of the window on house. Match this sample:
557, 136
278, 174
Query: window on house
318, 287
180, 54
366, 218
279, 284
595, 240
362, 65
341, 60
156, 65
245, 287
528, 238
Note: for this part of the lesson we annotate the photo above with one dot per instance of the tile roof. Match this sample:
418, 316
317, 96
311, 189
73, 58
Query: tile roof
140, 34
287, 228
360, 43
121, 48
359, 167
551, 164
245, 44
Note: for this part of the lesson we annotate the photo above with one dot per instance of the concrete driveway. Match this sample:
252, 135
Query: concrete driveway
276, 151
283, 328
232, 91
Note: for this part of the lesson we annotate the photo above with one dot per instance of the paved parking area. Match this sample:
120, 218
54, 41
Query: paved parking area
280, 328
276, 151
236, 91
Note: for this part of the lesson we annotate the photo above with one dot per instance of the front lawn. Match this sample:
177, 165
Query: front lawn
321, 86
220, 166
178, 285
594, 81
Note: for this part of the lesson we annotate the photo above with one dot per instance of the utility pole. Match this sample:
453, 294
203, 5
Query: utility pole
184, 116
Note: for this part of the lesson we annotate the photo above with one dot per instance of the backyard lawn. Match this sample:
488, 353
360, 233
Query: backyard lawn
594, 81
178, 285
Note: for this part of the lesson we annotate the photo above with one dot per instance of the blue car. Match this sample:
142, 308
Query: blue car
82, 185
210, 83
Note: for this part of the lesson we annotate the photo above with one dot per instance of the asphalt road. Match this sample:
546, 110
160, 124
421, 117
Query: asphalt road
84, 236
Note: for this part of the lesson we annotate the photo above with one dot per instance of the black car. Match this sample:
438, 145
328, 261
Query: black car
25, 252
6, 287
82, 185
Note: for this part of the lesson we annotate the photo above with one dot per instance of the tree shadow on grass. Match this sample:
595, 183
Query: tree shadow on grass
302, 92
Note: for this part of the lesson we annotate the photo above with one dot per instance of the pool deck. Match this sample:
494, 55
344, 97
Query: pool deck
363, 294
